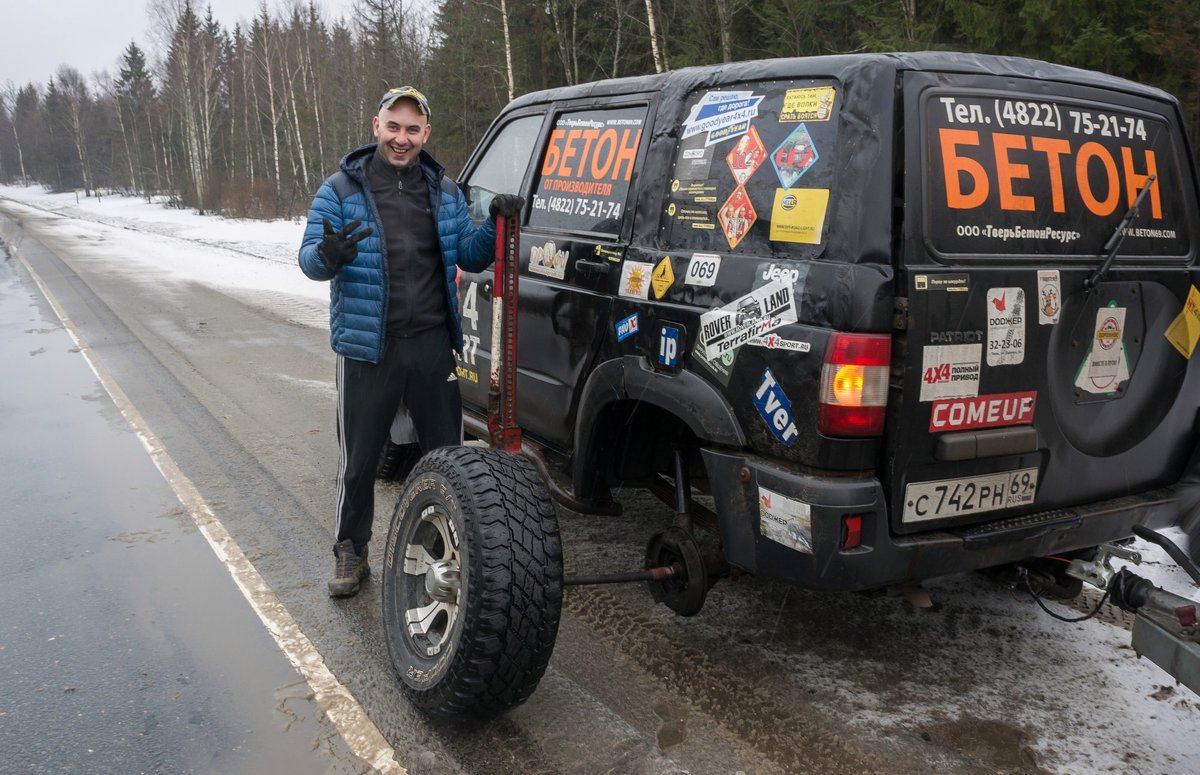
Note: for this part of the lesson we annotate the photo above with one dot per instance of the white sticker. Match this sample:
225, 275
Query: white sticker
1106, 365
785, 520
950, 371
548, 260
1049, 295
635, 279
749, 317
1006, 326
775, 342
702, 269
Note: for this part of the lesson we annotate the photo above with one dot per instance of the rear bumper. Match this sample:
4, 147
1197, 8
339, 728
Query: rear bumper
883, 558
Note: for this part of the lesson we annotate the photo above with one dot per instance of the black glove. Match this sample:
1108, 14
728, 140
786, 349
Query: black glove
505, 205
340, 248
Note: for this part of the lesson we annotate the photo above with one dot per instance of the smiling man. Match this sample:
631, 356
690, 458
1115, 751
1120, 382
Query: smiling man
389, 231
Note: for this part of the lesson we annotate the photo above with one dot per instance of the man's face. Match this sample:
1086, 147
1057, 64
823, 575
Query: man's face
402, 131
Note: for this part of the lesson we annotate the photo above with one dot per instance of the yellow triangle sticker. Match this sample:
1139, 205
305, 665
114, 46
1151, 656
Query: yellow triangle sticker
662, 278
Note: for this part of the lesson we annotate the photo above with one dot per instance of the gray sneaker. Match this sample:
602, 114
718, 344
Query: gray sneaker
349, 571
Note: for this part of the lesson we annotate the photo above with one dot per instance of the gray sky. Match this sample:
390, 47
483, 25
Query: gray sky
90, 35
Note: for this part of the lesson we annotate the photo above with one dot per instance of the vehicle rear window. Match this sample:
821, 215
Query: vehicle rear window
586, 169
754, 166
1017, 174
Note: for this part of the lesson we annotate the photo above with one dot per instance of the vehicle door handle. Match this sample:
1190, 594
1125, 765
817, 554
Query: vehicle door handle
592, 267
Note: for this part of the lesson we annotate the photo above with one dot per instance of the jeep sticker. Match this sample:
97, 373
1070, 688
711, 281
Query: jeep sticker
635, 279
1006, 326
991, 411
798, 215
702, 269
626, 327
950, 371
722, 115
775, 409
749, 317
1184, 331
1026, 174
1049, 295
785, 520
1106, 365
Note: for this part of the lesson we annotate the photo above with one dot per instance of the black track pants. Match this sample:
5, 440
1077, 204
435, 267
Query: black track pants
417, 370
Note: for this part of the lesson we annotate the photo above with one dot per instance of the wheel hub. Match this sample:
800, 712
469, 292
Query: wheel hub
442, 581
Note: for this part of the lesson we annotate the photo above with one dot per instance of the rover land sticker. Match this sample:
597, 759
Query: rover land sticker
814, 104
1006, 326
702, 269
736, 216
991, 411
785, 520
747, 154
662, 278
798, 215
669, 341
635, 279
548, 260
775, 342
626, 327
1106, 365
1049, 295
950, 371
794, 156
775, 409
722, 115
749, 317
1184, 331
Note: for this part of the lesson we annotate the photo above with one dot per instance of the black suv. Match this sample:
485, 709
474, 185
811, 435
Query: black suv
861, 300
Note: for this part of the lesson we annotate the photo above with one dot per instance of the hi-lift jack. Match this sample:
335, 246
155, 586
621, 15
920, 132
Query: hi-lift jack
678, 570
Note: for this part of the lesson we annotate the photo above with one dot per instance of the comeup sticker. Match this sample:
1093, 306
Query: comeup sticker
1106, 365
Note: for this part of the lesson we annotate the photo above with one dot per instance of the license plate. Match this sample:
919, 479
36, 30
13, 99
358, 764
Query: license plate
969, 495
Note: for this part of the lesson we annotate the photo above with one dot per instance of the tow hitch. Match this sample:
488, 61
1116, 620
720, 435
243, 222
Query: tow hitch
1165, 628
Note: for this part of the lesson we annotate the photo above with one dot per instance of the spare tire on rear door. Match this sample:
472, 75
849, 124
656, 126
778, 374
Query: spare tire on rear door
472, 581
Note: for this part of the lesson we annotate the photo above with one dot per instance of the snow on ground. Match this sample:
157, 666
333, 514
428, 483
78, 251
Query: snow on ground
1126, 698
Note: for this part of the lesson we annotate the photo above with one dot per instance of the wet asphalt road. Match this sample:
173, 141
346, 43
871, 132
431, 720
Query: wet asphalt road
767, 679
124, 644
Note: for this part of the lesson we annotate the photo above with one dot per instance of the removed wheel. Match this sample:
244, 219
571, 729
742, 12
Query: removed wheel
472, 582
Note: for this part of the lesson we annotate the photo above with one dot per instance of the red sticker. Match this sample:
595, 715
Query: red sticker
994, 411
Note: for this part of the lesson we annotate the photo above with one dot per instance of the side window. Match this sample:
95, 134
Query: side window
754, 166
587, 166
503, 165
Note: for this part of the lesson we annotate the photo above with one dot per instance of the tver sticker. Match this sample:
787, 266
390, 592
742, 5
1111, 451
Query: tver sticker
775, 409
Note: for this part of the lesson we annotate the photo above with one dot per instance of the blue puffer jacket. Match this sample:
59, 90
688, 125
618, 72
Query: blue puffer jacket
358, 294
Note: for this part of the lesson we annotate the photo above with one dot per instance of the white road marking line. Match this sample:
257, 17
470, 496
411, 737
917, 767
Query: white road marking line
360, 733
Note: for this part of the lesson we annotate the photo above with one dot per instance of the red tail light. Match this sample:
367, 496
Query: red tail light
854, 385
851, 531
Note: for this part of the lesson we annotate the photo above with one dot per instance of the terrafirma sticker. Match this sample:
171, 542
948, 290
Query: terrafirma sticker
749, 317
785, 520
950, 371
627, 327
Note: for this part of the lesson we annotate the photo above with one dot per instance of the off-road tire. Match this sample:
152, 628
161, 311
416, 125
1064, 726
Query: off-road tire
488, 514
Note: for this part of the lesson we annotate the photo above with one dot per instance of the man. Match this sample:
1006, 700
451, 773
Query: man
394, 317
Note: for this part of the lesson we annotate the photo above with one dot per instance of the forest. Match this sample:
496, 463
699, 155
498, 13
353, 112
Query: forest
248, 121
